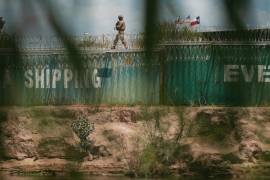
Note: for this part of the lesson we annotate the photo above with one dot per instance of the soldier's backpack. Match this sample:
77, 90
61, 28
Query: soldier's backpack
120, 27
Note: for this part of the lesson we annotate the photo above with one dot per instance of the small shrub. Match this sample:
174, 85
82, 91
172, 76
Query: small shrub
150, 162
83, 128
157, 157
159, 153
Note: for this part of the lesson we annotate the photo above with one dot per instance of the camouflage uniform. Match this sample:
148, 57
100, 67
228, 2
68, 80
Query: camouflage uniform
120, 27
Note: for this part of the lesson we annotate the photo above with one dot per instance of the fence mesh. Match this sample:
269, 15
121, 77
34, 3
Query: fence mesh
168, 34
104, 41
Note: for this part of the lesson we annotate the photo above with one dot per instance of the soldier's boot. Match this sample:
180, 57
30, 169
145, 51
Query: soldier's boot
115, 42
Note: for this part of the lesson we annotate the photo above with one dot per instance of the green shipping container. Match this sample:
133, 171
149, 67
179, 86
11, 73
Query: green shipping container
219, 74
183, 74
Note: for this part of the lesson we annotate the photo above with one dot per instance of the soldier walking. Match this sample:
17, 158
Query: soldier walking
120, 26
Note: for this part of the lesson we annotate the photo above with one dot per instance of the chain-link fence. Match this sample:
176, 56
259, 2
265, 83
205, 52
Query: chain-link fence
217, 36
168, 34
104, 41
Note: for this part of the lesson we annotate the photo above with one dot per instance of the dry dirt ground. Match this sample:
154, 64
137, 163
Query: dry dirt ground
40, 139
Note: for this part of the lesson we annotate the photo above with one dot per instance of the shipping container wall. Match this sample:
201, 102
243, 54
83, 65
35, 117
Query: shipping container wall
188, 74
218, 74
104, 78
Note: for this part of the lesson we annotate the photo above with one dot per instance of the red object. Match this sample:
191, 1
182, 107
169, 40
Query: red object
193, 23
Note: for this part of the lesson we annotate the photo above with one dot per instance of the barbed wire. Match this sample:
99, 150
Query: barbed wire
104, 41
167, 34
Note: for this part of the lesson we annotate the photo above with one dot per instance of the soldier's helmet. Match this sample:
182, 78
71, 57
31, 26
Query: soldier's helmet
120, 17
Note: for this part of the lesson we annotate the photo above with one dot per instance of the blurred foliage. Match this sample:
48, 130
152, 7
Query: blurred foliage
159, 153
